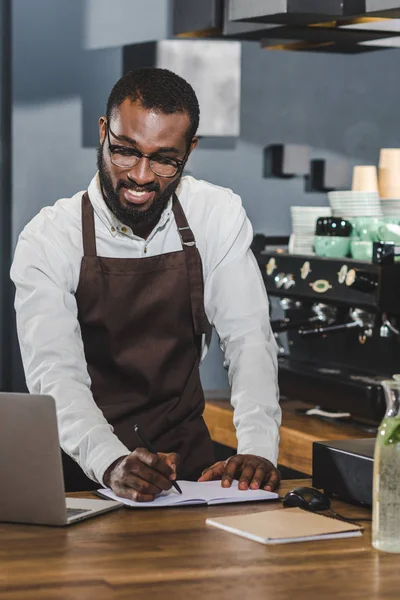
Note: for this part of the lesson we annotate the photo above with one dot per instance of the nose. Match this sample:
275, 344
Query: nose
141, 173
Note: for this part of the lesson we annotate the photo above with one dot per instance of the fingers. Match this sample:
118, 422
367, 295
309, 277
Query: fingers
232, 466
144, 479
136, 470
172, 459
132, 494
142, 475
214, 472
273, 481
156, 462
258, 478
253, 472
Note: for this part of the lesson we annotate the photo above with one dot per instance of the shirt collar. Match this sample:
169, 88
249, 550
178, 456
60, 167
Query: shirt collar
108, 218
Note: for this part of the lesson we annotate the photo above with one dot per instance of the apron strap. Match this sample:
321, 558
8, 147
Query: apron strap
194, 269
88, 228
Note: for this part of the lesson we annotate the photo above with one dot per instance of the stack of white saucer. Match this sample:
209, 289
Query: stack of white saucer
390, 207
304, 219
355, 204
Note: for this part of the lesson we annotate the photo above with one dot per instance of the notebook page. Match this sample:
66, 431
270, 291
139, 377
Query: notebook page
170, 498
196, 492
214, 493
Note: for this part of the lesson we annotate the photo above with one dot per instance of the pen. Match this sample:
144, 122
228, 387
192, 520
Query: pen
150, 448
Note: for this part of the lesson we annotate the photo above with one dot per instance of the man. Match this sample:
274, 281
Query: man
116, 289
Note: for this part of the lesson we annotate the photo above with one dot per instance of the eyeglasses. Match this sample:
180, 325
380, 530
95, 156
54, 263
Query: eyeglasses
125, 157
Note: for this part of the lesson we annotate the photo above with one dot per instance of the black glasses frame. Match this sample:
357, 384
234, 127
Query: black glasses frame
180, 163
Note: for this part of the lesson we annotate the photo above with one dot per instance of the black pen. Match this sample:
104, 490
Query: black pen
150, 448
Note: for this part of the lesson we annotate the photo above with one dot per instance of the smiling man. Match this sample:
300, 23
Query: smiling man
117, 289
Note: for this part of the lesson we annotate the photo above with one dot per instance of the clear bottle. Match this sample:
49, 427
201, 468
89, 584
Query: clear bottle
386, 482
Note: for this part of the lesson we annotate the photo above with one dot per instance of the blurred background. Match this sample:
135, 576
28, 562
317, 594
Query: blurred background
59, 61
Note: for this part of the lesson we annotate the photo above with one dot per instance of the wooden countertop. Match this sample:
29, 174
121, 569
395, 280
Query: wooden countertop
170, 553
297, 434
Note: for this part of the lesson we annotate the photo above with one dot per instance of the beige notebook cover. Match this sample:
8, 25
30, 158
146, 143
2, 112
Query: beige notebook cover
286, 525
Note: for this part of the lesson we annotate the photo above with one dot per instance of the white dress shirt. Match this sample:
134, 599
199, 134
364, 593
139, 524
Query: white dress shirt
46, 270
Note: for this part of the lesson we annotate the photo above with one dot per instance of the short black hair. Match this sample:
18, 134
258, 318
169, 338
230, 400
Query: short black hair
158, 89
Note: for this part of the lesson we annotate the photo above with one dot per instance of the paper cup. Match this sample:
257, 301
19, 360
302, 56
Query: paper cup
365, 179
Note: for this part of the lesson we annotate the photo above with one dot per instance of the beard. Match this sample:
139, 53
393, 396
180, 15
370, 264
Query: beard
131, 215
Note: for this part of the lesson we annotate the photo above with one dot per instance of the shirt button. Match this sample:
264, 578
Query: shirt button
124, 229
113, 229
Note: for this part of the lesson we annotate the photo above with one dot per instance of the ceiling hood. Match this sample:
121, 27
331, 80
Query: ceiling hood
344, 26
306, 12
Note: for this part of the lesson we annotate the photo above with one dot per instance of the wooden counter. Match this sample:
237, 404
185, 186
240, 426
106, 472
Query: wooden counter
163, 554
298, 431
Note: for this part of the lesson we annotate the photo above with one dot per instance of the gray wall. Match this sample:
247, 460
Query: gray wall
66, 54
5, 191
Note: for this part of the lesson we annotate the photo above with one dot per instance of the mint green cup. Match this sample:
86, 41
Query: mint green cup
389, 230
361, 249
366, 228
331, 246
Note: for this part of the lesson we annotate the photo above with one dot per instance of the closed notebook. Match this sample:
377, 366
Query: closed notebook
196, 492
286, 525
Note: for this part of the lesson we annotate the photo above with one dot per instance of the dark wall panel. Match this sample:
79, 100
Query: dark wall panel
5, 191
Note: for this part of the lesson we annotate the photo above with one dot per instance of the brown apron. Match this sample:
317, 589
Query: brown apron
141, 321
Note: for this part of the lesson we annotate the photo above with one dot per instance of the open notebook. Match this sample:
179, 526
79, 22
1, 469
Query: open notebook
286, 525
197, 492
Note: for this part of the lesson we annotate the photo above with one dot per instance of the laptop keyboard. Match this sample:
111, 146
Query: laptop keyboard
73, 512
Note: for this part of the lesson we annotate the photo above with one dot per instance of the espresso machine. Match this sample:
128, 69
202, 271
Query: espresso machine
337, 324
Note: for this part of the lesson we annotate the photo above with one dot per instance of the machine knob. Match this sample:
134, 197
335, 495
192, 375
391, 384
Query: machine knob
290, 282
280, 279
361, 281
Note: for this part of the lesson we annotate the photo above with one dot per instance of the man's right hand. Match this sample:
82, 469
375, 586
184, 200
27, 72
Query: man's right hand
141, 475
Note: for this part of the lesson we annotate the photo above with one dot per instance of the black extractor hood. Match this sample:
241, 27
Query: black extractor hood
305, 12
344, 26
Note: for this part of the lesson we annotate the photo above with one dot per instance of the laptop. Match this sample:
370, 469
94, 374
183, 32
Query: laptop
31, 475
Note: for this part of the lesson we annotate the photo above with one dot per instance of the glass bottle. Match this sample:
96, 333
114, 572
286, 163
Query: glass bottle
386, 481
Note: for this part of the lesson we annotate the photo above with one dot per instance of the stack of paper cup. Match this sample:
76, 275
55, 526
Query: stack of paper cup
355, 204
304, 219
365, 179
389, 173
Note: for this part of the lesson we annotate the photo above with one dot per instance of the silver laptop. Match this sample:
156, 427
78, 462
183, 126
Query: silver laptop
31, 476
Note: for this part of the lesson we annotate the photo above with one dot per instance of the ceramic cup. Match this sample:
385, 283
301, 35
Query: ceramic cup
366, 228
389, 232
331, 246
361, 249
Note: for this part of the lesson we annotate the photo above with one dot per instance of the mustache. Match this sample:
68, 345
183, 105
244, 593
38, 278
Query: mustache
150, 187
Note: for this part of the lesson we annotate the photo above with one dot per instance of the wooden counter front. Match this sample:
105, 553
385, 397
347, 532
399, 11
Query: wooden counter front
170, 554
297, 433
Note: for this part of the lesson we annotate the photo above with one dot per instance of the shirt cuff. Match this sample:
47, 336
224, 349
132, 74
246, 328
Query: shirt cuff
267, 449
102, 457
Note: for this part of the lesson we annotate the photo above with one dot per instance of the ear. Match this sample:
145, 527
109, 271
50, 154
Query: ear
193, 144
102, 128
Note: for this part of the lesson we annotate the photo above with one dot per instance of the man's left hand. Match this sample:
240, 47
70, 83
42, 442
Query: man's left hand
253, 472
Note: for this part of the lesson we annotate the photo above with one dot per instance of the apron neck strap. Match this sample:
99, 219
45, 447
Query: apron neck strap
185, 233
88, 228
194, 270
